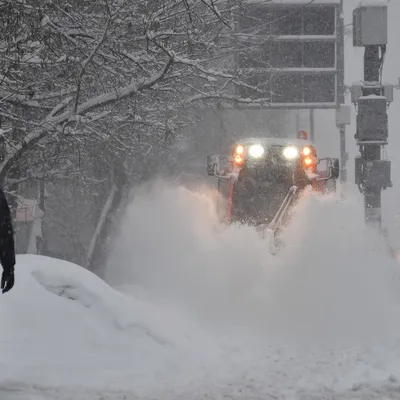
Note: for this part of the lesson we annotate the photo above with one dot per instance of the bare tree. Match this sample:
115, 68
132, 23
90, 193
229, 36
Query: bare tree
93, 82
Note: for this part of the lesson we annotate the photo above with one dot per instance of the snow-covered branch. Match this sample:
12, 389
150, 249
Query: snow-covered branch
149, 60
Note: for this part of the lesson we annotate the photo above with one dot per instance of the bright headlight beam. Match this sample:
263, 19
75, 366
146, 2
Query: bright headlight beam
290, 152
256, 151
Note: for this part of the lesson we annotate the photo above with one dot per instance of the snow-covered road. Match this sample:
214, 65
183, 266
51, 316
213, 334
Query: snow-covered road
205, 312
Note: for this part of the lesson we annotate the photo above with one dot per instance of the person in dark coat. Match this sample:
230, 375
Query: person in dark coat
7, 245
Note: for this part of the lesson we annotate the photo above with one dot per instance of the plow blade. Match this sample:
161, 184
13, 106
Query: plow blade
270, 232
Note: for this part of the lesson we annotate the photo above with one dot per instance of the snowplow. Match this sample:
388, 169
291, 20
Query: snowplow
261, 180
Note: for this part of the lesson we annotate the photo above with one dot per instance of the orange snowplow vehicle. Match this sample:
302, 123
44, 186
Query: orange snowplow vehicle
260, 181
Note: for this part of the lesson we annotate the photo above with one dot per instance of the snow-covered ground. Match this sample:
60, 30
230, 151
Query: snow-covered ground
198, 311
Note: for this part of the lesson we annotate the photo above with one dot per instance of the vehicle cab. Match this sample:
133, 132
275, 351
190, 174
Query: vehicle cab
255, 179
276, 157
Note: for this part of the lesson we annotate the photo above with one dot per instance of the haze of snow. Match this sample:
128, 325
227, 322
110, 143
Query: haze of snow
327, 301
326, 284
207, 312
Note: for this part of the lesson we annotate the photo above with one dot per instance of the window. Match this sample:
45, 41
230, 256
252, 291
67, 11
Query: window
286, 54
260, 51
289, 20
287, 88
295, 87
318, 20
257, 20
319, 88
258, 79
319, 55
255, 58
290, 54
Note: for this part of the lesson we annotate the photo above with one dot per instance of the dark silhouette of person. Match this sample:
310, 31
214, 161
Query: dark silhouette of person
7, 245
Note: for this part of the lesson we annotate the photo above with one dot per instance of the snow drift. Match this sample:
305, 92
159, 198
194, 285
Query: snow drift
61, 325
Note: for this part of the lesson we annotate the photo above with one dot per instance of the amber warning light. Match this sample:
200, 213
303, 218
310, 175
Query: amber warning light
238, 159
306, 151
308, 161
238, 156
239, 149
302, 135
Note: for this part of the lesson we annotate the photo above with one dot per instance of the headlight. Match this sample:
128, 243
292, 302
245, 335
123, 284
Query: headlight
290, 152
256, 151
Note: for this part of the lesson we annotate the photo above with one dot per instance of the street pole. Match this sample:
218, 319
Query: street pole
372, 99
312, 134
371, 152
343, 154
340, 92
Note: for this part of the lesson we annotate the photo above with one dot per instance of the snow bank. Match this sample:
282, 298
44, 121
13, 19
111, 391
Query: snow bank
61, 325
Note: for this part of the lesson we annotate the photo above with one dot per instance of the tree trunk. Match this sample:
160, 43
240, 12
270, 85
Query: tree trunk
98, 248
36, 241
100, 227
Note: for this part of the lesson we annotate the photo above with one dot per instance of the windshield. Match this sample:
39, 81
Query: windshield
262, 185
270, 167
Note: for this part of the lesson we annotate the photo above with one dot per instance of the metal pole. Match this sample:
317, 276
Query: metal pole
340, 90
372, 152
312, 135
372, 173
343, 155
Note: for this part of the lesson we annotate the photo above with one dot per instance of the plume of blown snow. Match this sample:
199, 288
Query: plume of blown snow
172, 245
333, 281
338, 283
